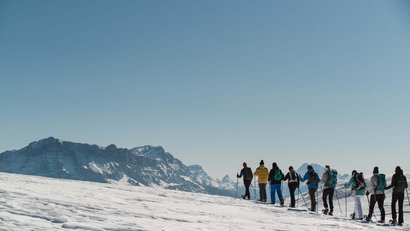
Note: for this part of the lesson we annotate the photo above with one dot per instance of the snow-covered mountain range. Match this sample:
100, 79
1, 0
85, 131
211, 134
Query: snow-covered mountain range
143, 166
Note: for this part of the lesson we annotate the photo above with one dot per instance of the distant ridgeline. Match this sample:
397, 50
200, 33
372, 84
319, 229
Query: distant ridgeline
147, 165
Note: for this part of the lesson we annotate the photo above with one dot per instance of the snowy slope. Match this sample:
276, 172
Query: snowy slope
38, 203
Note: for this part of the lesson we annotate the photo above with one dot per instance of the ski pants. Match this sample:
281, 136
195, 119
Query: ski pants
328, 192
312, 195
292, 190
379, 198
400, 198
275, 188
358, 211
262, 192
247, 184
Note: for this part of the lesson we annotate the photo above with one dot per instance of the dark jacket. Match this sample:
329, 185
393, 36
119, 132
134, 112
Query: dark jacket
395, 183
246, 173
271, 177
292, 183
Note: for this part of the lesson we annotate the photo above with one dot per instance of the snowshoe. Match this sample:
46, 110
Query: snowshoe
325, 211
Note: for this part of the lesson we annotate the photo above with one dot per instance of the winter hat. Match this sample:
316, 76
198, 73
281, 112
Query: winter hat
376, 170
354, 172
244, 164
309, 166
398, 169
327, 167
261, 163
274, 165
290, 168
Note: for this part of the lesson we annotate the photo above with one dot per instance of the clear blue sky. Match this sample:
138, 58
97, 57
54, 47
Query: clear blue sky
213, 82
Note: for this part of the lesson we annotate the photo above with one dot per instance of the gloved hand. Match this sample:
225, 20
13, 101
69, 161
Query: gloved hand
237, 175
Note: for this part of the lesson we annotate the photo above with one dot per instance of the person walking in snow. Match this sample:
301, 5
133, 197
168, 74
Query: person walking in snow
358, 188
275, 179
329, 181
262, 173
247, 174
399, 185
293, 183
312, 182
376, 188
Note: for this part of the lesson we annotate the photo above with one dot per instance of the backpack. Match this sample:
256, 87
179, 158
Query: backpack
293, 177
247, 175
381, 182
332, 179
359, 182
401, 184
313, 178
277, 175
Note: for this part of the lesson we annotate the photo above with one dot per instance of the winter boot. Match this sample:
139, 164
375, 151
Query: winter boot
282, 202
380, 221
392, 222
352, 216
330, 213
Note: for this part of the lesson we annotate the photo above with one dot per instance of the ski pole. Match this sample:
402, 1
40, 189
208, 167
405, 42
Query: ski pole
317, 201
303, 198
297, 201
337, 197
237, 185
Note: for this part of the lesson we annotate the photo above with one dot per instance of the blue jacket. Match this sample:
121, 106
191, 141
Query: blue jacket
355, 192
307, 175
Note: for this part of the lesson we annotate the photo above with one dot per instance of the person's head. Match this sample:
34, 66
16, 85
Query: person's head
327, 168
261, 163
310, 167
398, 169
244, 164
354, 172
375, 170
291, 168
274, 165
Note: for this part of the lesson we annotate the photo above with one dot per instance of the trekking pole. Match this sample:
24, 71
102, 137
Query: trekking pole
337, 197
254, 188
317, 201
407, 192
303, 198
297, 201
346, 201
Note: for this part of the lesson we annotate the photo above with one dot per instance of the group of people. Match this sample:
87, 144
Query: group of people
375, 188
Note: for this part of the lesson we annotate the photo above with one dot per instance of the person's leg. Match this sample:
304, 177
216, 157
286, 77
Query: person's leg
312, 195
325, 194
401, 201
264, 192
292, 196
260, 192
247, 192
272, 194
393, 207
280, 195
331, 193
371, 206
358, 210
380, 204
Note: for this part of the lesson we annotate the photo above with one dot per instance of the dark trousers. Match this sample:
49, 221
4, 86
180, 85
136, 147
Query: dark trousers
379, 198
262, 192
397, 197
312, 195
292, 190
247, 184
328, 192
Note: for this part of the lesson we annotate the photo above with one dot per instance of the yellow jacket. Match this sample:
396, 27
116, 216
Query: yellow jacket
262, 173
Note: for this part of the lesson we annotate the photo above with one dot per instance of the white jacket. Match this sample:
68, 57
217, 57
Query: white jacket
372, 186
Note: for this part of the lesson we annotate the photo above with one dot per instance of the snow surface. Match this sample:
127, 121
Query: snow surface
39, 203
